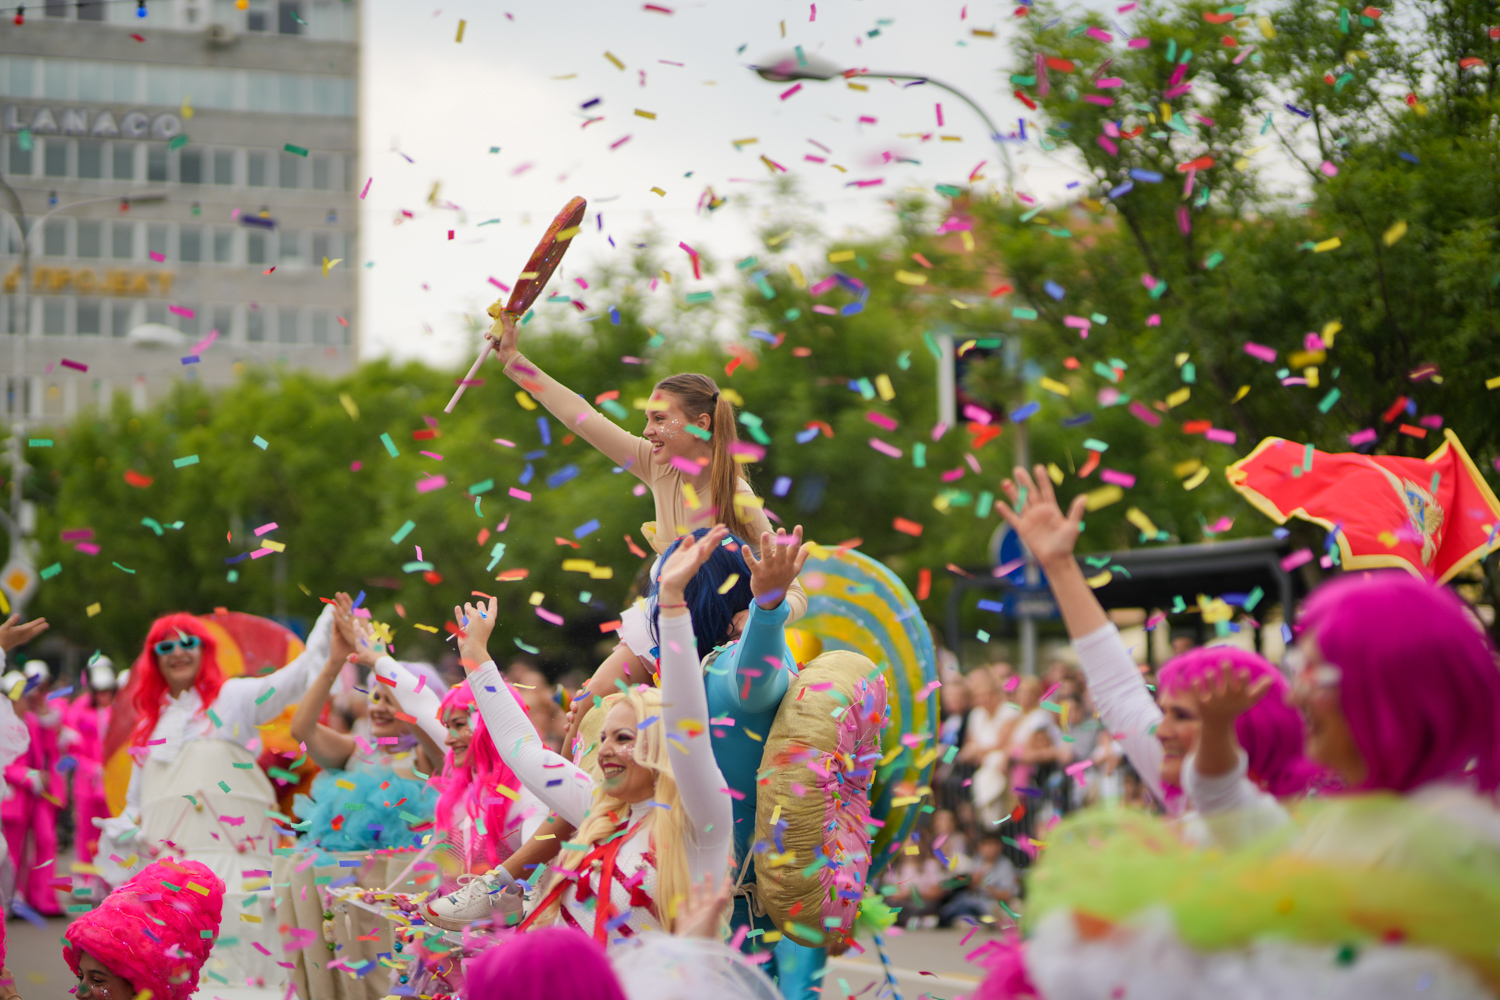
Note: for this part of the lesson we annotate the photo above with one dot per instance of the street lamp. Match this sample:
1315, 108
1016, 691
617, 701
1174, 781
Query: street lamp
14, 521
798, 67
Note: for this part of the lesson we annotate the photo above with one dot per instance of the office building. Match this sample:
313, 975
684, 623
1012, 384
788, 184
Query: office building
243, 114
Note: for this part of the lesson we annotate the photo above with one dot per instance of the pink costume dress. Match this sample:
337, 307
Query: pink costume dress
15, 739
88, 726
30, 817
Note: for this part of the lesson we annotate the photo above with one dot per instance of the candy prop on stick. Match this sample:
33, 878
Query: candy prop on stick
544, 260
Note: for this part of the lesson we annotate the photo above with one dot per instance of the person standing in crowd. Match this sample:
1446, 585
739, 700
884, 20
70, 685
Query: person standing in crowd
39, 790
84, 727
15, 739
984, 747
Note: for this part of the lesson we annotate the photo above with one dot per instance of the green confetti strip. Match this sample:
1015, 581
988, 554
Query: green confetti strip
50, 571
265, 697
296, 150
390, 445
402, 532
260, 442
184, 461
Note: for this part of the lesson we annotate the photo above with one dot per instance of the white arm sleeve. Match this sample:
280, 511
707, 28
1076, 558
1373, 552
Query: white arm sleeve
1234, 811
701, 785
1120, 694
242, 696
563, 786
421, 705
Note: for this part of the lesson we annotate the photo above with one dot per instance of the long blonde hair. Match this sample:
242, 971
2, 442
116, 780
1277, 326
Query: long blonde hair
665, 827
698, 395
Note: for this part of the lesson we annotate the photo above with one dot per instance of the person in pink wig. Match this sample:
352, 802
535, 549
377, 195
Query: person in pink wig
148, 935
482, 820
1159, 734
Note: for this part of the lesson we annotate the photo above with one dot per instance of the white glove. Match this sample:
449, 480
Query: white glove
38, 782
120, 829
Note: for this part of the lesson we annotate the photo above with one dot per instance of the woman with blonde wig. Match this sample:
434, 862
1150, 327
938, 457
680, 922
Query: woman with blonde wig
652, 813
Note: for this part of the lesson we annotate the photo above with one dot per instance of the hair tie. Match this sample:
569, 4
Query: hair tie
716, 399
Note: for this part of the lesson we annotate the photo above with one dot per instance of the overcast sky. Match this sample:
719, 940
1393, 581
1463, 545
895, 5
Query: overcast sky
520, 77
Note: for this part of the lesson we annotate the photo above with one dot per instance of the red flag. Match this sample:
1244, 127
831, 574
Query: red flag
1431, 516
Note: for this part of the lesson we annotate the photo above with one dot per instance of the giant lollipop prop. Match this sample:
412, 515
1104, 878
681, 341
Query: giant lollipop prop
544, 260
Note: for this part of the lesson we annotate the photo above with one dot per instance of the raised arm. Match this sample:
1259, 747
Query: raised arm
685, 714
563, 787
416, 700
577, 416
261, 699
759, 680
760, 527
1118, 689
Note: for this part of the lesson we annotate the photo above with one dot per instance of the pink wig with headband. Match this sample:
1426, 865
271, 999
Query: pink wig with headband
1418, 681
1270, 732
149, 931
472, 788
549, 963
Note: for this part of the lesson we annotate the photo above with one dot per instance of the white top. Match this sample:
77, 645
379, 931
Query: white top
568, 790
415, 696
243, 703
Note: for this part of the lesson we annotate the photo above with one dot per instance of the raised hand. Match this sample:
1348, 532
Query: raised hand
13, 633
1227, 694
476, 621
505, 345
685, 563
702, 912
781, 559
1049, 533
345, 637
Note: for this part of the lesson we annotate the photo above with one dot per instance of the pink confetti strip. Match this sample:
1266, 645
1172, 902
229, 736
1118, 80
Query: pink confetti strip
1296, 559
366, 189
519, 494
1144, 414
1219, 436
435, 483
1260, 351
271, 526
885, 448
1115, 478
548, 616
78, 535
1362, 437
75, 365
881, 420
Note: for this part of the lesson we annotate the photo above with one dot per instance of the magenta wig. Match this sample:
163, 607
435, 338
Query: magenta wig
473, 788
1419, 685
149, 931
550, 963
1271, 732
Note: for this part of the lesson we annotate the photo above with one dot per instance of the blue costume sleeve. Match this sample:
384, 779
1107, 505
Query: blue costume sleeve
759, 658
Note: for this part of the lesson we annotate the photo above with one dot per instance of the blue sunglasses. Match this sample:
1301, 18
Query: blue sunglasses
168, 646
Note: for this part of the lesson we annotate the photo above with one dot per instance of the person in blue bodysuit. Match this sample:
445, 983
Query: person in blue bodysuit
746, 682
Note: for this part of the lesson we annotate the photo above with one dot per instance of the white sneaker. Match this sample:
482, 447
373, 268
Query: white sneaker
494, 896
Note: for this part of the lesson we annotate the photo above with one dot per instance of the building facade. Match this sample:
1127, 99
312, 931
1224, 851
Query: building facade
187, 171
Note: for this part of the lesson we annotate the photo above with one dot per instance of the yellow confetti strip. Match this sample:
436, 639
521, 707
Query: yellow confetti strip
611, 57
94, 609
645, 114
1179, 397
883, 387
840, 256
1138, 518
728, 584
524, 398
1394, 233
1196, 480
911, 278
1103, 497
1098, 581
1330, 244
1054, 386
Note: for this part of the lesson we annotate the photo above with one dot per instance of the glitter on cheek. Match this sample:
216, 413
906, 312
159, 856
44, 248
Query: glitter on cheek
672, 429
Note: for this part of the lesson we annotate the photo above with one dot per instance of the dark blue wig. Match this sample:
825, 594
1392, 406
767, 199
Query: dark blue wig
713, 612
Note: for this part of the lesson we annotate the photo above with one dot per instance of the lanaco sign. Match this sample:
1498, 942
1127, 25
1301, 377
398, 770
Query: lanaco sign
84, 281
85, 121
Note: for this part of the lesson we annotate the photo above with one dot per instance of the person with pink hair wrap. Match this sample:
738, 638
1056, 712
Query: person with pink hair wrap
1160, 734
147, 937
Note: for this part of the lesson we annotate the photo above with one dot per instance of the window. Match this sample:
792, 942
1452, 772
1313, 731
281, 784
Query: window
223, 246
55, 157
289, 17
57, 78
322, 169
286, 327
156, 240
255, 172
289, 170
124, 157
255, 326
291, 248
89, 317
156, 312
93, 81
121, 318
325, 95
190, 244
156, 162
162, 85
91, 158
190, 166
90, 238
55, 238
122, 241
255, 248
90, 10
22, 77
20, 157
320, 327
191, 325
290, 86
259, 16
322, 248
223, 317
223, 166
57, 8
123, 82
54, 317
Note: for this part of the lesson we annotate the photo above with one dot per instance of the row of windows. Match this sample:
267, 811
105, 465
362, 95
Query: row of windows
173, 86
95, 239
99, 159
56, 316
319, 19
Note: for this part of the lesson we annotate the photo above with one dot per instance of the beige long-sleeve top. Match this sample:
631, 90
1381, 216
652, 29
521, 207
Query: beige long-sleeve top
673, 517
